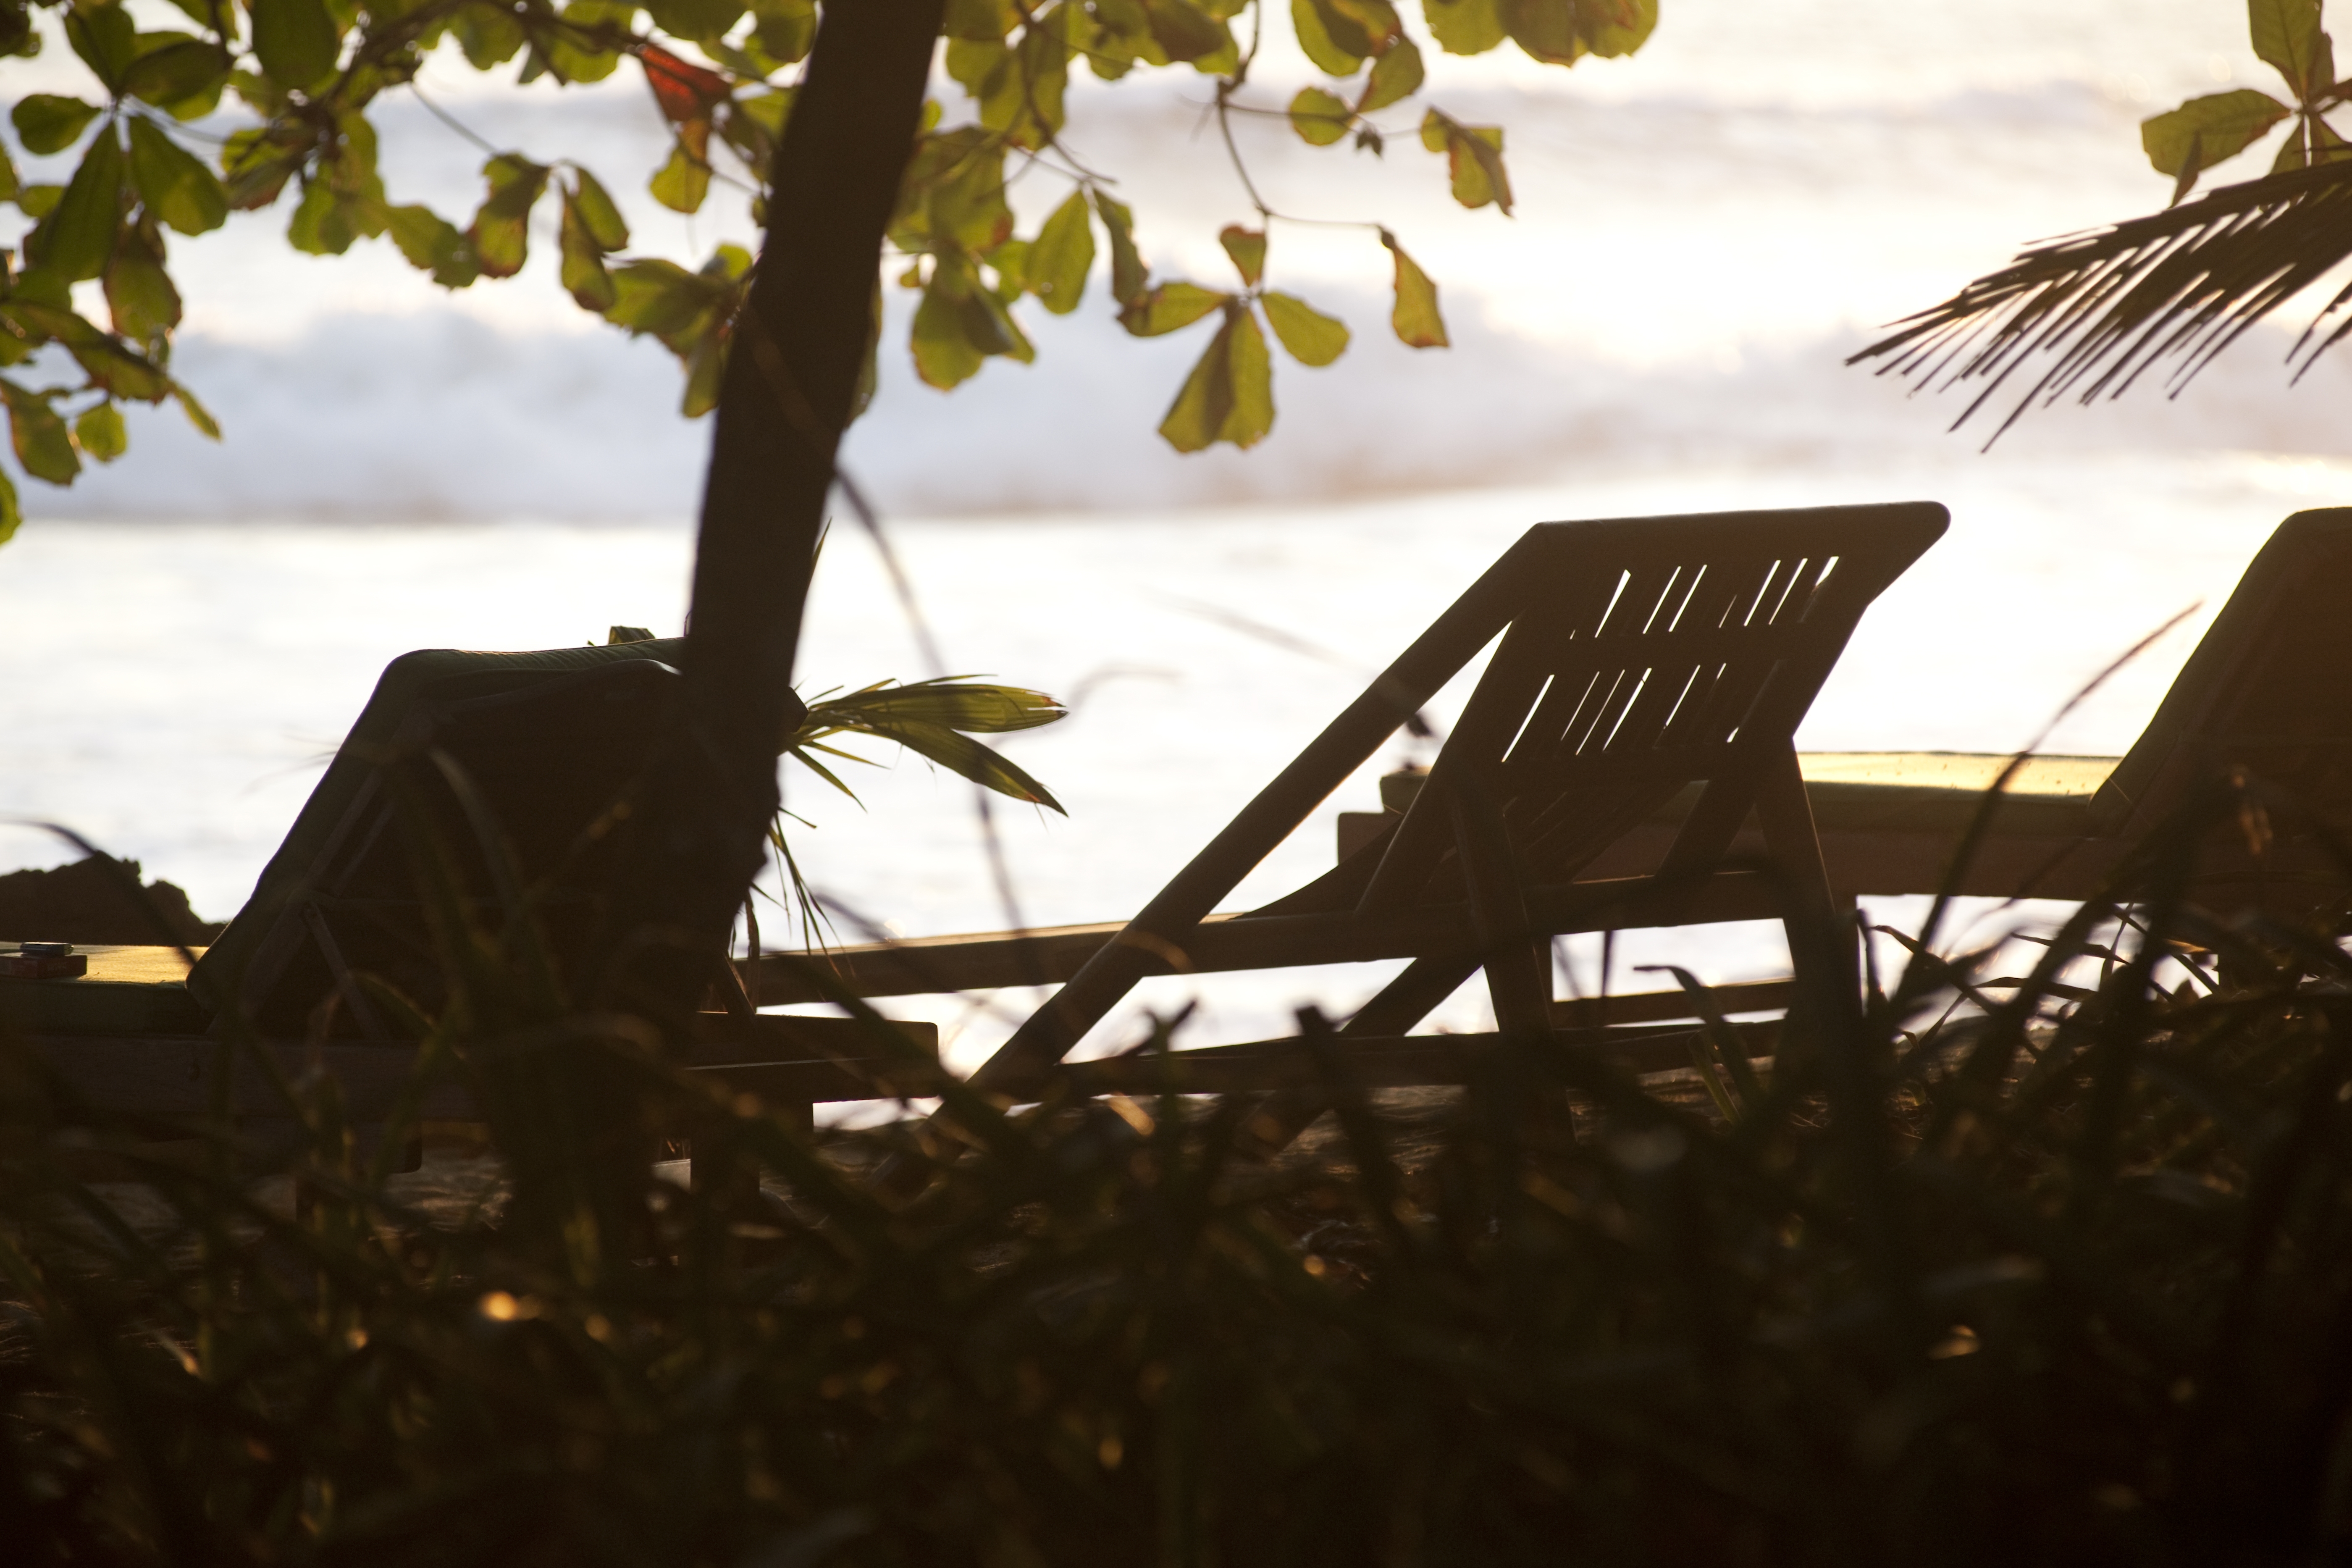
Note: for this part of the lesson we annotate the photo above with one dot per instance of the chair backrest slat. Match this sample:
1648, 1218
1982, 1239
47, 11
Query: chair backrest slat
1638, 656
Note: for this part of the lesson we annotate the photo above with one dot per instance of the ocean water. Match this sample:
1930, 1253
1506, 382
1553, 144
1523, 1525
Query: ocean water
1703, 234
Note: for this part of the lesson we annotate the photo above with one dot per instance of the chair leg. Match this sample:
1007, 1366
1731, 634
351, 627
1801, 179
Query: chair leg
1517, 965
1821, 950
1394, 1009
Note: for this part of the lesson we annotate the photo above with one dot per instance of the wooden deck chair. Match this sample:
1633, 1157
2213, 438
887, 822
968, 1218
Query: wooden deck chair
1636, 656
546, 743
2264, 689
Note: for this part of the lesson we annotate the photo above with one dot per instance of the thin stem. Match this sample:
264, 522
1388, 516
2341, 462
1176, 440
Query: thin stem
452, 122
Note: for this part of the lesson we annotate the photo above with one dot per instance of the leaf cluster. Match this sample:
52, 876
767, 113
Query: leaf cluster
303, 77
2287, 36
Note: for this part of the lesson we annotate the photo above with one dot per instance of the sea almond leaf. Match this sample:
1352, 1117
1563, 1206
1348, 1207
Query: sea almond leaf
1247, 248
1205, 400
1062, 256
1168, 307
1416, 318
1311, 337
1320, 118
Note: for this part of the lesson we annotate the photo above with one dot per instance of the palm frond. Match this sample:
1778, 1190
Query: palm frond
935, 718
2104, 307
957, 702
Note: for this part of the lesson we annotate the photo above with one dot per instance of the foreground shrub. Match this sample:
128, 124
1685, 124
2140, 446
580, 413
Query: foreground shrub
2052, 1270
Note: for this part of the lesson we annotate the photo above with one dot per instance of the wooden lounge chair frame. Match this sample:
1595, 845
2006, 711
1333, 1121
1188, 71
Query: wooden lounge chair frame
1636, 656
2260, 691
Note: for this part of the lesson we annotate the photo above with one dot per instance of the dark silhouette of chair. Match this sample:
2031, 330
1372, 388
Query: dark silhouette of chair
504, 773
2262, 691
1637, 656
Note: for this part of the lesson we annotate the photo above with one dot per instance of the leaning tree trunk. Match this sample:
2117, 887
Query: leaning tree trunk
792, 376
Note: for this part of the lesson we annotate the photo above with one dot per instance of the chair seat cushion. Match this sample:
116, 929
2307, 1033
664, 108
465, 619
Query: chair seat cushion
1939, 792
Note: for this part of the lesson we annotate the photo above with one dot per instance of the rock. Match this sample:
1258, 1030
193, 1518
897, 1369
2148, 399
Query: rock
90, 902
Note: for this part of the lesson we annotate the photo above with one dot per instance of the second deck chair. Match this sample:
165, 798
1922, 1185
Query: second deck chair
546, 743
1636, 656
2264, 689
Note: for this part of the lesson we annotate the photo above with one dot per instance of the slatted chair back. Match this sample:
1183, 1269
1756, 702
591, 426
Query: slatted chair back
497, 772
2263, 690
1638, 659
1636, 656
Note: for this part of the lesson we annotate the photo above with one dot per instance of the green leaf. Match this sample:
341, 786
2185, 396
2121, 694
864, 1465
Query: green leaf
584, 273
140, 295
1113, 35
681, 183
1396, 75
1128, 273
1417, 319
954, 192
12, 515
769, 109
953, 701
1314, 25
1062, 256
1170, 307
257, 164
665, 299
1229, 396
174, 182
1183, 31
197, 413
177, 71
600, 217
318, 227
38, 201
1464, 26
1319, 117
1206, 399
1020, 88
695, 18
706, 371
105, 38
9, 185
432, 244
47, 124
960, 324
296, 40
1252, 372
933, 720
2293, 154
574, 52
1473, 157
100, 433
2286, 36
2204, 131
42, 443
488, 34
79, 236
785, 29
987, 21
119, 373
945, 355
1011, 261
501, 228
1312, 337
1562, 32
1246, 247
